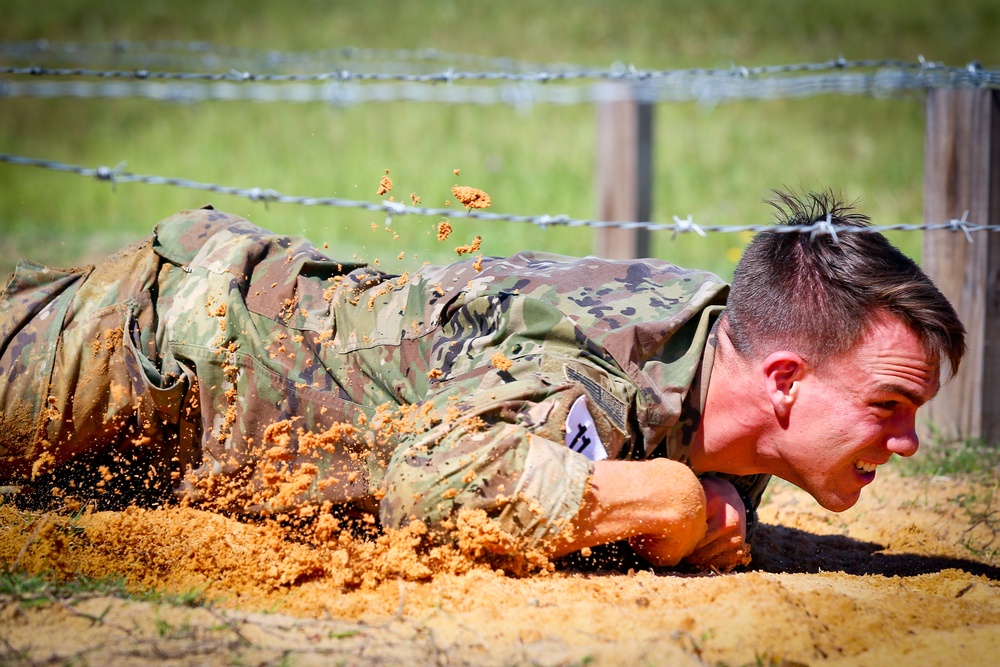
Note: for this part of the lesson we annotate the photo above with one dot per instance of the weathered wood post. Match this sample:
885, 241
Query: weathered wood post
962, 173
624, 170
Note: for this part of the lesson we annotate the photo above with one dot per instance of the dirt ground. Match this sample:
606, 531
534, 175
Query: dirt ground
911, 575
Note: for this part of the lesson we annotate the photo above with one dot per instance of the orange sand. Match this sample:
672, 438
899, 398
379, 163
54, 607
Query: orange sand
911, 575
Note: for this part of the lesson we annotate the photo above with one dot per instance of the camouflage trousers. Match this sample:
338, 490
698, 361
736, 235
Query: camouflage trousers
99, 398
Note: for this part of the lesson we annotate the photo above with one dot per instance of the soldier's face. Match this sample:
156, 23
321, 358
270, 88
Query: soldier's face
851, 417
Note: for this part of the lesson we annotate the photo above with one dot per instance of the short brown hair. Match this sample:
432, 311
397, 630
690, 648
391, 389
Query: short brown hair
817, 296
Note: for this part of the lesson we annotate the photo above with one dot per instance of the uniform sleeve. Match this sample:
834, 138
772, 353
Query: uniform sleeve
501, 451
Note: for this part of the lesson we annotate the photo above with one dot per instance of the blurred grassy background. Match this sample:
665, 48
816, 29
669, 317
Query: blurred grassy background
714, 163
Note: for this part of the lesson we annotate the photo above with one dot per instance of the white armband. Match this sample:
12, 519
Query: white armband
581, 433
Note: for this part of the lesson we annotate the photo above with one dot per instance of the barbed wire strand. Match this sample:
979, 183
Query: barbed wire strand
211, 52
973, 72
345, 88
392, 208
514, 94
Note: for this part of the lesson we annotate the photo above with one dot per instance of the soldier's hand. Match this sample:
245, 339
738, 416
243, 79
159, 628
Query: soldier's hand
724, 545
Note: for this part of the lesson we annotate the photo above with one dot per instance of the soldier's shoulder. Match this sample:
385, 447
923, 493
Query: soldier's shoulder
181, 236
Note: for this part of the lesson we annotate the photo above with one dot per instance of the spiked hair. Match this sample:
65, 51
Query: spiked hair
817, 297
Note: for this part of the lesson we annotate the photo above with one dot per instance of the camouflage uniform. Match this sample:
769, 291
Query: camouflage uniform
190, 345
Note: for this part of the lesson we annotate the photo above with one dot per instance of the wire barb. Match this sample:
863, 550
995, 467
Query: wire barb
104, 173
824, 227
687, 225
960, 225
393, 208
261, 194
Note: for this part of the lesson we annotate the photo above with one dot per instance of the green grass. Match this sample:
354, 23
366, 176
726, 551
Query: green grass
713, 163
42, 589
36, 589
943, 457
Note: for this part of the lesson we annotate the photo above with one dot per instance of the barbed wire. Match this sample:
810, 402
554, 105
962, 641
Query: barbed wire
345, 88
713, 91
973, 72
391, 208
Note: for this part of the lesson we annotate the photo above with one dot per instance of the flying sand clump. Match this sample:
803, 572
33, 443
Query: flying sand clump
471, 197
385, 185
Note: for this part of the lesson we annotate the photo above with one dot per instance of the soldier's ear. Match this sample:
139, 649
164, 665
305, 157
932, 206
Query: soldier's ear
783, 372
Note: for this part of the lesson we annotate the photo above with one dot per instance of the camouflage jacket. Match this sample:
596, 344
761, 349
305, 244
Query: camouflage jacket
266, 376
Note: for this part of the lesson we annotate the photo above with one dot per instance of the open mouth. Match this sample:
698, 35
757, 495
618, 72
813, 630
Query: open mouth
865, 466
865, 470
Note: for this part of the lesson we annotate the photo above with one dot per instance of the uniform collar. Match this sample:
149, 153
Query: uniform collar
679, 440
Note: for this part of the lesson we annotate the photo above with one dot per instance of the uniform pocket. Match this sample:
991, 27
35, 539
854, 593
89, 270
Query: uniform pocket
166, 399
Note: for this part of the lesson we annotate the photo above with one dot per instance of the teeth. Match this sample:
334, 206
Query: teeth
865, 466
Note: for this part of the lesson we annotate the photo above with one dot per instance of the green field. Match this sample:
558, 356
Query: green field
714, 163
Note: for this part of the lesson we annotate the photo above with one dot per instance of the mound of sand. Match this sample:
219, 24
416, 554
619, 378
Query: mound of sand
911, 575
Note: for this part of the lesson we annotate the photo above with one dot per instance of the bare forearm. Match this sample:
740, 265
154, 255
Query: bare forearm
659, 505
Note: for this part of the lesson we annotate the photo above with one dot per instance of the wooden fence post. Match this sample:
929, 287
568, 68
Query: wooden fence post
962, 173
624, 171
